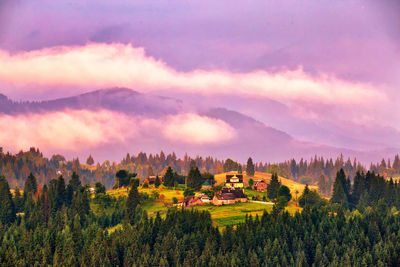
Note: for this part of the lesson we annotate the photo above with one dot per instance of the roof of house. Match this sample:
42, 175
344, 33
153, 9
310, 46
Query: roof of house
259, 181
203, 196
206, 183
226, 196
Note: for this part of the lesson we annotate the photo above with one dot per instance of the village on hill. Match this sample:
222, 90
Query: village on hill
228, 196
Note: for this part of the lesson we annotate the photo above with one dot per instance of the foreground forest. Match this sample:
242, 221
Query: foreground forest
56, 224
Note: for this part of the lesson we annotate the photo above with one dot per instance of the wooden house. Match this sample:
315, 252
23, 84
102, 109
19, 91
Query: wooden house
260, 186
200, 199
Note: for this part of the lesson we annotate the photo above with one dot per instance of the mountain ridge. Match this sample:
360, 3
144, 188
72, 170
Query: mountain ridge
254, 137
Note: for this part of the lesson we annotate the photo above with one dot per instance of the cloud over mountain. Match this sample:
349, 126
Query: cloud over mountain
107, 65
79, 130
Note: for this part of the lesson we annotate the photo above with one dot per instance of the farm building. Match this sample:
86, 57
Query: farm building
260, 185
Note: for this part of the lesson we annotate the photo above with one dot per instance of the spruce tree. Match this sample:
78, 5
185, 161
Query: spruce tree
157, 182
250, 167
273, 187
194, 179
7, 207
340, 189
132, 202
18, 200
90, 160
60, 193
30, 185
45, 204
169, 177
75, 182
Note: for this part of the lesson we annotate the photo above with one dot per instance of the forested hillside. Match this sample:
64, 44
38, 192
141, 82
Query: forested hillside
317, 171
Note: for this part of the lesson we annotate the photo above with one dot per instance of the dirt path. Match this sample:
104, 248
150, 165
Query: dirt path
261, 202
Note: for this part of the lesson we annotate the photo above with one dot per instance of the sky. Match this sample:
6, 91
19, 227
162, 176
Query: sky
314, 69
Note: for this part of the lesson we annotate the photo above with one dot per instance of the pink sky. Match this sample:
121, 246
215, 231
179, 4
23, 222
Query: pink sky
332, 65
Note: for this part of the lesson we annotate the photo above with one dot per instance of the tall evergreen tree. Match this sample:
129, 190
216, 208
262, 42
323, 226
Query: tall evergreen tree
169, 177
18, 200
60, 193
250, 167
90, 160
358, 188
7, 207
75, 182
30, 185
194, 179
132, 202
273, 186
340, 191
45, 204
157, 182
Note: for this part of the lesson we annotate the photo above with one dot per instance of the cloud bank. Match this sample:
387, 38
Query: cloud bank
76, 129
106, 65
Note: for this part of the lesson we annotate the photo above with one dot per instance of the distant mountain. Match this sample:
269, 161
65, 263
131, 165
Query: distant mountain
116, 99
254, 138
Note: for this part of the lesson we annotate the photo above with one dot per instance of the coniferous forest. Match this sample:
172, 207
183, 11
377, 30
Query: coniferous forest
53, 224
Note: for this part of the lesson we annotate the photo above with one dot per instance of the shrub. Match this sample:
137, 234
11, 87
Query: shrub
174, 200
155, 195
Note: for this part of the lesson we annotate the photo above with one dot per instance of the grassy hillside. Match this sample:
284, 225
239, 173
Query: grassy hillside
221, 215
293, 185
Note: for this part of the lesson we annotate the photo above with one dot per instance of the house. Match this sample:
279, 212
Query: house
234, 181
224, 199
204, 198
232, 192
206, 185
229, 196
200, 199
260, 185
151, 179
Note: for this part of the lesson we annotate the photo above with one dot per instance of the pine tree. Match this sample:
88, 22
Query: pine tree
169, 177
90, 160
250, 167
273, 187
60, 193
322, 184
339, 189
7, 208
194, 179
396, 164
45, 204
18, 200
30, 185
75, 182
132, 202
358, 188
157, 182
